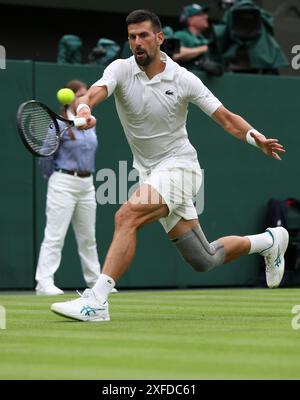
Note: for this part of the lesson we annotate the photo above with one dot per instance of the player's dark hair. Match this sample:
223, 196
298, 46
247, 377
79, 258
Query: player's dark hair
138, 16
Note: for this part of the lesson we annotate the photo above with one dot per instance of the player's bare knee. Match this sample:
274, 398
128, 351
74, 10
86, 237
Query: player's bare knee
121, 218
126, 217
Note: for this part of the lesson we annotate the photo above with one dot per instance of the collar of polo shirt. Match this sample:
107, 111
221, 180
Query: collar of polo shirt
168, 72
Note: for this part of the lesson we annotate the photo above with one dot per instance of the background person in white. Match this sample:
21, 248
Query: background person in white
70, 199
152, 93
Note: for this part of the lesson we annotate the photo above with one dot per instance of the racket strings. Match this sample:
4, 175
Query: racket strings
39, 129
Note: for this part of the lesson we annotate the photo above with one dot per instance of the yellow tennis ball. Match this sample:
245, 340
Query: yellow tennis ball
65, 96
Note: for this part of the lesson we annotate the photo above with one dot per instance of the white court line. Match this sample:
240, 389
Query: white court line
2, 317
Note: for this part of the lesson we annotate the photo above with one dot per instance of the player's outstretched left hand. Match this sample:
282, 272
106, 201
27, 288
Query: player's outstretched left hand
271, 147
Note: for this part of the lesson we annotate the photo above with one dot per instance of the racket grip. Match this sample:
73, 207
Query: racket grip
79, 122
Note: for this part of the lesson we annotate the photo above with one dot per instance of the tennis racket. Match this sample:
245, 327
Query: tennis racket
39, 129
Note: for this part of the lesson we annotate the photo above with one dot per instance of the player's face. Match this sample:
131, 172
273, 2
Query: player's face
144, 42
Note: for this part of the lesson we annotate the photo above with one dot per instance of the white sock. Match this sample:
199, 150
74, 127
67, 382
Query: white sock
103, 287
260, 242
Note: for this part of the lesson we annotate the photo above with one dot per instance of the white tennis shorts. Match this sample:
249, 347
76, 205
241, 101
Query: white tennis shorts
177, 186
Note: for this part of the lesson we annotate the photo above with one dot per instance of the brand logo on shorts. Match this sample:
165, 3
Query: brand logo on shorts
169, 92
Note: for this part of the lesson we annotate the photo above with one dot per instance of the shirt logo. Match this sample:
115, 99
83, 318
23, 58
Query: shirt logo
169, 92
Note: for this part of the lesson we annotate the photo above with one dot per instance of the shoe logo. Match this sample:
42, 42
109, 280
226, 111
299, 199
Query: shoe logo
278, 258
87, 310
169, 92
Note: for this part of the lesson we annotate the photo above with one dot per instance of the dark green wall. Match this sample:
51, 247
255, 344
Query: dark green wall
239, 179
16, 177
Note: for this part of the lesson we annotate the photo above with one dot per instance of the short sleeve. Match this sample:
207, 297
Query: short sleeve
112, 76
198, 94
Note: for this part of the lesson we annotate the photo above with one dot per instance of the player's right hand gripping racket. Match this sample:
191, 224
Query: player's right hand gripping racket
39, 129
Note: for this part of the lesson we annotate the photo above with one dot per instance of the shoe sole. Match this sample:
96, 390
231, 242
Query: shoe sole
77, 319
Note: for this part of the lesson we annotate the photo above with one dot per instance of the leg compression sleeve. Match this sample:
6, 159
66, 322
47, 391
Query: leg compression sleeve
196, 250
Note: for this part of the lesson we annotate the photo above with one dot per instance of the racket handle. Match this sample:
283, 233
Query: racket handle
79, 122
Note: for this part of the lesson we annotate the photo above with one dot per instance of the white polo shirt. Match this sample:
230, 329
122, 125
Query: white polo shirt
153, 112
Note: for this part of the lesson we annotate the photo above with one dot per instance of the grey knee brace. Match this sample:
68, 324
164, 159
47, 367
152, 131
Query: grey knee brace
196, 250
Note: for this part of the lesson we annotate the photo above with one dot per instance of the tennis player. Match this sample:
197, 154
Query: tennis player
152, 94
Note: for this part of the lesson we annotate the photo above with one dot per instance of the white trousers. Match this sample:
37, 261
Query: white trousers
69, 199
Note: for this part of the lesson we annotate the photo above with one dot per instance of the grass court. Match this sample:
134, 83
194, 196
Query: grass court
182, 334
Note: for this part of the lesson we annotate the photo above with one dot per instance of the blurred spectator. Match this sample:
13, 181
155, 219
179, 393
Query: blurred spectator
105, 52
193, 43
69, 50
171, 45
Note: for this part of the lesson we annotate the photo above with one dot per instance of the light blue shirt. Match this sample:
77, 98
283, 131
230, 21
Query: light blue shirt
73, 155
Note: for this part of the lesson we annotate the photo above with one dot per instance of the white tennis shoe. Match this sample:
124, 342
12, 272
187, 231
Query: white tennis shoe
87, 308
274, 256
